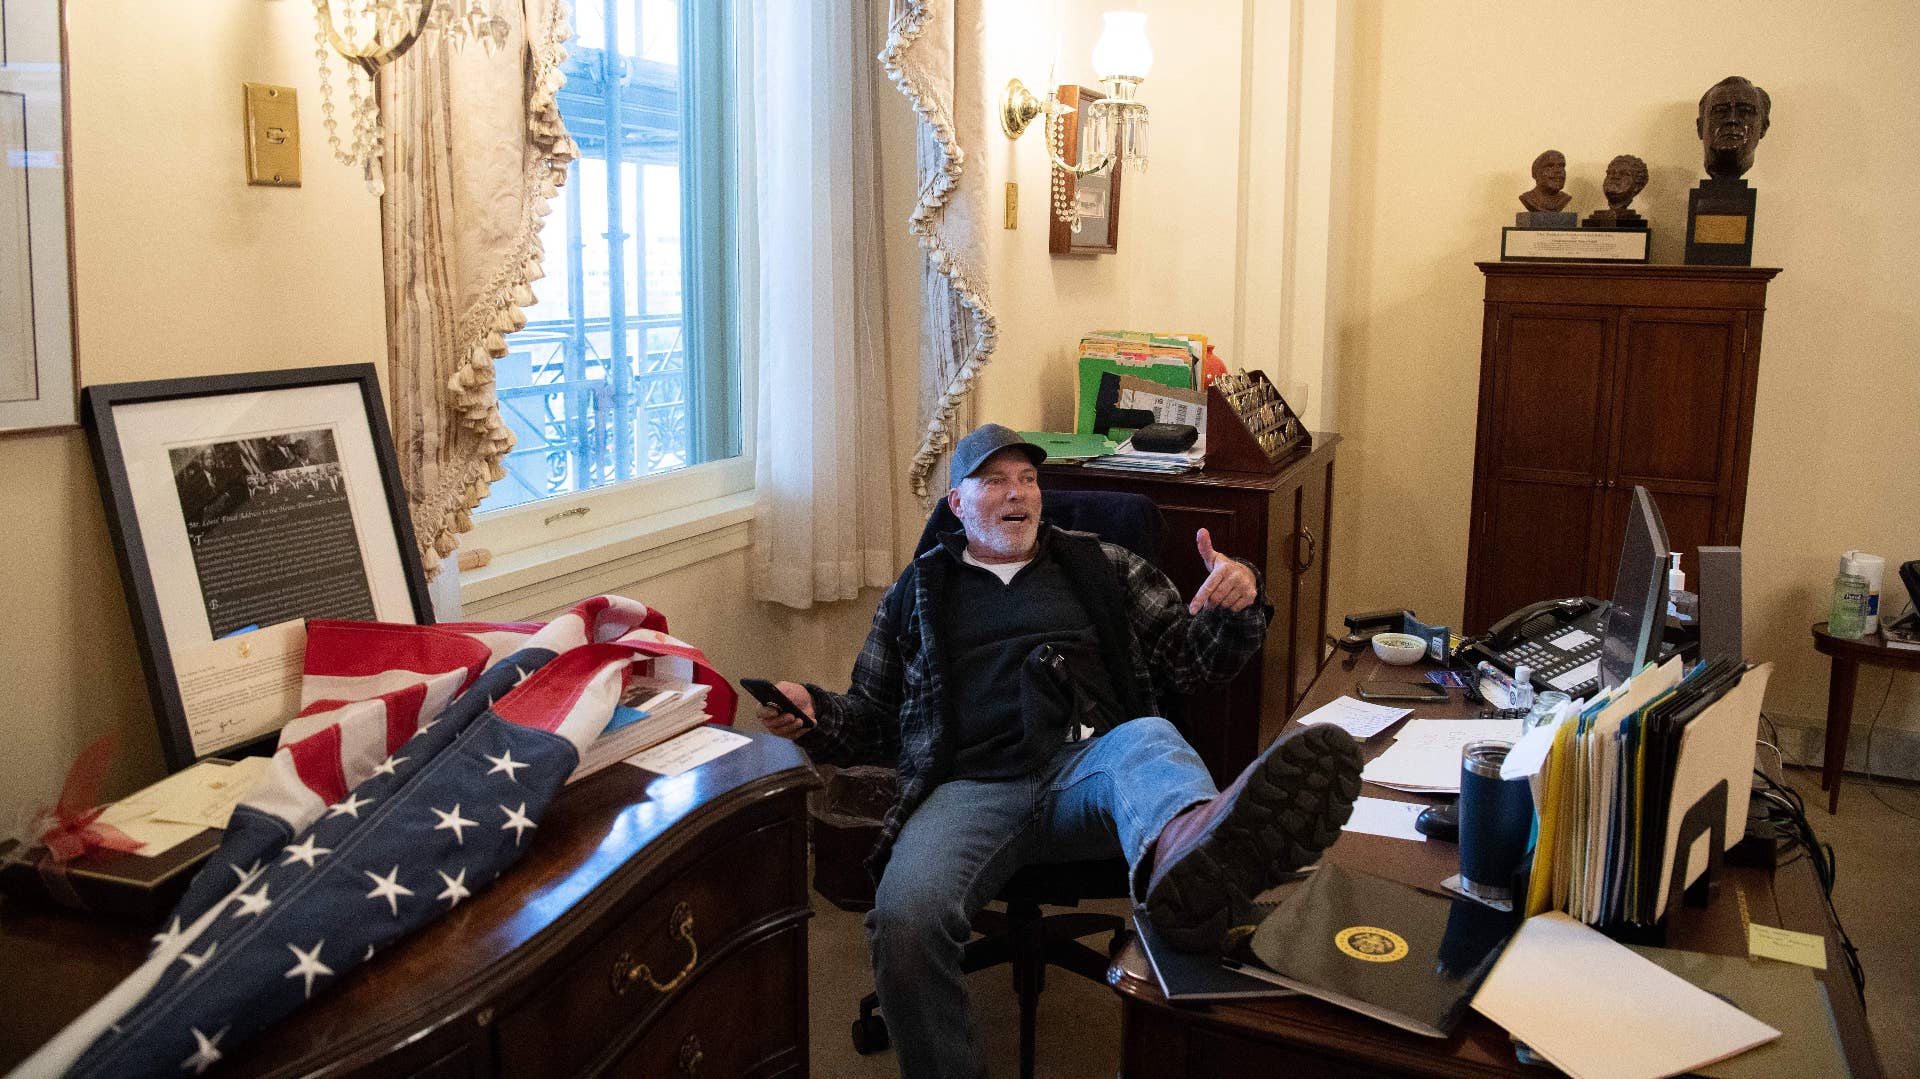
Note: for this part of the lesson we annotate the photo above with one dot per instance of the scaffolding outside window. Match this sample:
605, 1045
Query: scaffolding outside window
628, 365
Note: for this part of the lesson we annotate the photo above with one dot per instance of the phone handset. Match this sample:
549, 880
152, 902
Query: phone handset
1507, 632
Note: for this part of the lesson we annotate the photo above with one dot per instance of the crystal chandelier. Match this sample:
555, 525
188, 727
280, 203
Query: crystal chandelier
1116, 124
370, 33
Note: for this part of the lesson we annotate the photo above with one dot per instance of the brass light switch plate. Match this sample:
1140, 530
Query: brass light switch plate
1013, 205
273, 135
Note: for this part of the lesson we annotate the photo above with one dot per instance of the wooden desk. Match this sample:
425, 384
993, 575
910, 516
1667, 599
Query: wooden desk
1848, 654
1305, 1036
1282, 522
517, 980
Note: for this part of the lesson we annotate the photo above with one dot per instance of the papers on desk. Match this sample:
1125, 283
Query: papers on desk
184, 804
1384, 816
688, 751
1570, 994
1425, 756
1358, 718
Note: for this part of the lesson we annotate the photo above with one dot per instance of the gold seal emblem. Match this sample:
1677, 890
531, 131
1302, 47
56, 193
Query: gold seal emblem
1371, 944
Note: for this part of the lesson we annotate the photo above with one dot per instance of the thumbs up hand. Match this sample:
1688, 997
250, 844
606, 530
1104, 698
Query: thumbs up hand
1229, 584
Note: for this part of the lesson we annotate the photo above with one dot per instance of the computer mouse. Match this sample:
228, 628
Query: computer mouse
1439, 822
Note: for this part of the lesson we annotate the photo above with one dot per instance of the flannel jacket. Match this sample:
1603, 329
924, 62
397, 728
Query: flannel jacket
898, 710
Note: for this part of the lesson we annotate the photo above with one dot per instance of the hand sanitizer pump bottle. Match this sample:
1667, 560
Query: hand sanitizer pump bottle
1682, 606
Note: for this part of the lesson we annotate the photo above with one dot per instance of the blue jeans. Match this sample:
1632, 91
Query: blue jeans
1093, 799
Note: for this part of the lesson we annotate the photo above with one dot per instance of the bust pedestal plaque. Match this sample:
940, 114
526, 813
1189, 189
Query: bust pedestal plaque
1720, 223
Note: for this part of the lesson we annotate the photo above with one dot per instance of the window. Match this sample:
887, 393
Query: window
624, 388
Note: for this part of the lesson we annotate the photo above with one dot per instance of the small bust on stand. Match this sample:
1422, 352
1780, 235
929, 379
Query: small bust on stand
1626, 177
1547, 200
1548, 194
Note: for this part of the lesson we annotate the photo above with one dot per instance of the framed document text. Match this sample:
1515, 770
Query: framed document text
1095, 196
240, 506
36, 322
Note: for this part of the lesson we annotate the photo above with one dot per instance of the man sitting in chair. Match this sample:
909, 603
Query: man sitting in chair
1012, 674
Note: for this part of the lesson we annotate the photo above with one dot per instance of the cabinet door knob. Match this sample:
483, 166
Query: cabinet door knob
691, 1056
627, 972
1301, 561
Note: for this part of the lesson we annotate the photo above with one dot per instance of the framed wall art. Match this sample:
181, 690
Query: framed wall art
240, 506
1095, 197
36, 286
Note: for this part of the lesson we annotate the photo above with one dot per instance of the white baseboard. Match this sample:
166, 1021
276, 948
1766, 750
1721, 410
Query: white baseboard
1896, 753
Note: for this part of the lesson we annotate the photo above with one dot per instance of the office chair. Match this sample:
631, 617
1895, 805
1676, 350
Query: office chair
1021, 935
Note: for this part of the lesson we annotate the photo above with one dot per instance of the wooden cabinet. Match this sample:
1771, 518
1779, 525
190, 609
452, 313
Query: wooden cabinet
1282, 522
658, 928
1595, 378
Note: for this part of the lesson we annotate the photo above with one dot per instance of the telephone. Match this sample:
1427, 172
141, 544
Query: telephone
1558, 638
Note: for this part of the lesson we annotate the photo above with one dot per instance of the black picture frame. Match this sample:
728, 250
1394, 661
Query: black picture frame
214, 479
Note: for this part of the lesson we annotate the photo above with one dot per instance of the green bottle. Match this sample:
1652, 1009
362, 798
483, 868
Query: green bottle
1848, 618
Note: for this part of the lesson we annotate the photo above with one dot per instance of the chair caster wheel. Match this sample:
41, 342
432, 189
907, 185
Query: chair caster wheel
870, 1035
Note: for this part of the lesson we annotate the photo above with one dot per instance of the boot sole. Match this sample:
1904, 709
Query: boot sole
1288, 813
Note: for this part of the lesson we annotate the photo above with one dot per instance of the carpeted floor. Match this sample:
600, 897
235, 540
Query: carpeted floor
1876, 839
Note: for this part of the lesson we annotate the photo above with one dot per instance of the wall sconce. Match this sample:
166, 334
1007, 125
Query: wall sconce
370, 33
1116, 124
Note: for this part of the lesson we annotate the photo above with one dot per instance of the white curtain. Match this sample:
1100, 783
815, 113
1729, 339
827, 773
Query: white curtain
813, 286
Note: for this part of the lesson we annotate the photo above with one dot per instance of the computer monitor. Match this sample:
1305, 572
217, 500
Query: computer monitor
1639, 609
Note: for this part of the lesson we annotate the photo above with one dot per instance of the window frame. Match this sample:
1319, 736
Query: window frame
622, 515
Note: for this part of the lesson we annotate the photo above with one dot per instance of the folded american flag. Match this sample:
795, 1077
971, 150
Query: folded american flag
416, 772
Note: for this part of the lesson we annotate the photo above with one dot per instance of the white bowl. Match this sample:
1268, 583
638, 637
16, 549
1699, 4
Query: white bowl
1399, 649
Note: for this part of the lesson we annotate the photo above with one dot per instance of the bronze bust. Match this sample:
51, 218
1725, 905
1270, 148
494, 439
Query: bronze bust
1549, 178
1733, 118
1626, 177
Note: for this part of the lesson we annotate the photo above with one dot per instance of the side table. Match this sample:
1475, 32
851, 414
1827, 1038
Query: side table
1848, 654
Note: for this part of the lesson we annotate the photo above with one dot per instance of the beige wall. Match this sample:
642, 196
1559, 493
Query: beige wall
1452, 102
182, 270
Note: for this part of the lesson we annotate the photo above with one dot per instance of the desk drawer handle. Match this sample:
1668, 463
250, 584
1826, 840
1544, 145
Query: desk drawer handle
1302, 562
626, 971
691, 1056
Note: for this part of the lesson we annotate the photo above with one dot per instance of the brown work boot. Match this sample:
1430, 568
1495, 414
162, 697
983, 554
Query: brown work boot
1213, 858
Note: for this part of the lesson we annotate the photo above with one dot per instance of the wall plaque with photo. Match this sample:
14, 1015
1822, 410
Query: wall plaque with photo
240, 507
1096, 196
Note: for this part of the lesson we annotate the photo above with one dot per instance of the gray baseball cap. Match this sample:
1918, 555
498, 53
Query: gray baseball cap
983, 442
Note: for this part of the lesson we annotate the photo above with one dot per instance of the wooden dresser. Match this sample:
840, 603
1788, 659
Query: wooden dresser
1282, 522
657, 929
1594, 378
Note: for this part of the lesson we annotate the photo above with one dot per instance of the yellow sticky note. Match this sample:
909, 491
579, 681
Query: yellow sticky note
1786, 945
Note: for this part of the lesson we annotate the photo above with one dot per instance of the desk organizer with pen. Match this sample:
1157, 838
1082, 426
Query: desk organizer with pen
1250, 428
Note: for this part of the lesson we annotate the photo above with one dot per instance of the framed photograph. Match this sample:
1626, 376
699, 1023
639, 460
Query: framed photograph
240, 506
36, 287
1096, 197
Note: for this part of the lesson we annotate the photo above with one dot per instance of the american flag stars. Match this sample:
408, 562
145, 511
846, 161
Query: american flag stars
206, 1052
350, 807
304, 852
386, 767
388, 888
517, 821
452, 822
251, 903
309, 965
505, 763
456, 888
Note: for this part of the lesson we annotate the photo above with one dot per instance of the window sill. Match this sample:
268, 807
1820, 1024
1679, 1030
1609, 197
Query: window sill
552, 575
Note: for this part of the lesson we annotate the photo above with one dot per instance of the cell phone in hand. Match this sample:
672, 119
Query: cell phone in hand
769, 694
